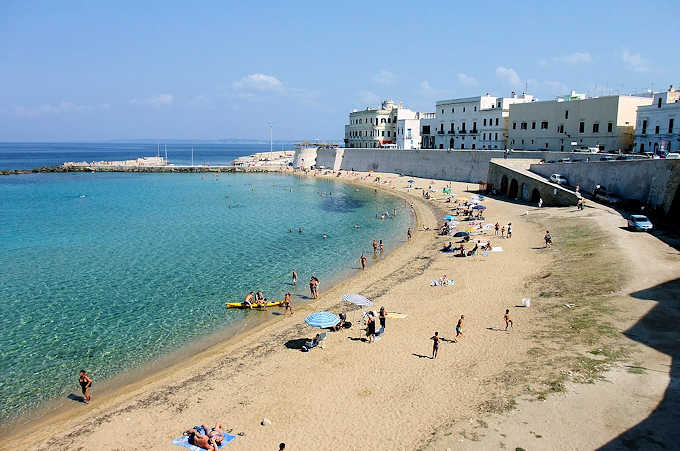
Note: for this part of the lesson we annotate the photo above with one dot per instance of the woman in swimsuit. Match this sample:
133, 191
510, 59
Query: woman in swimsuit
383, 319
85, 384
435, 346
371, 329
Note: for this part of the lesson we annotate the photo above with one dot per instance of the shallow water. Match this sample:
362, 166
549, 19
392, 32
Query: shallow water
110, 271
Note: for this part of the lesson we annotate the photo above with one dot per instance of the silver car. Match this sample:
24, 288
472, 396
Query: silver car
640, 222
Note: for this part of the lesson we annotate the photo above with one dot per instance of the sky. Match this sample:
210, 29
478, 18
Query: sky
87, 71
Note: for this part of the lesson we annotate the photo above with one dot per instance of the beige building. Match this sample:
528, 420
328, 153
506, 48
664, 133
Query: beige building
574, 121
376, 127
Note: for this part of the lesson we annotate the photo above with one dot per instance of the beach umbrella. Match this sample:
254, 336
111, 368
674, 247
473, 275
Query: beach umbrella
412, 181
461, 234
357, 299
449, 217
479, 207
322, 320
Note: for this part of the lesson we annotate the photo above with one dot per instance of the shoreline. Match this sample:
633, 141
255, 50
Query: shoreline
122, 385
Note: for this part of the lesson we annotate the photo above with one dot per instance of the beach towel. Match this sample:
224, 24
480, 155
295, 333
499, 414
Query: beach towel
497, 249
184, 440
485, 254
435, 283
396, 315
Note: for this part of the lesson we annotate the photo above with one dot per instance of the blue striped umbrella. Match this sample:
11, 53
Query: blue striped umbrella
322, 320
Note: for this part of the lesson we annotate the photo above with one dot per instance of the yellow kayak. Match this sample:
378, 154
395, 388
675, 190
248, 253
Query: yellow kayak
255, 305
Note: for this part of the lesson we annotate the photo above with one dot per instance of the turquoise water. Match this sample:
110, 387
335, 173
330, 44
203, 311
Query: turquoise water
143, 263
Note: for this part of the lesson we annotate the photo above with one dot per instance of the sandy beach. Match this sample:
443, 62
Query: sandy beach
482, 388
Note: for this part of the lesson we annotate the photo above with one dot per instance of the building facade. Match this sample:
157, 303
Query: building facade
472, 122
376, 127
574, 122
657, 124
409, 131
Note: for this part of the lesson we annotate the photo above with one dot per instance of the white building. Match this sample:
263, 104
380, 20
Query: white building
657, 124
376, 127
472, 123
574, 121
408, 131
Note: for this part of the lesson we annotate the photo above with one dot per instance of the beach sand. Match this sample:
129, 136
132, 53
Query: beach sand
389, 394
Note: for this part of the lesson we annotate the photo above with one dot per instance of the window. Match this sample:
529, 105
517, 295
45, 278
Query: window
523, 126
596, 128
566, 114
475, 110
462, 127
473, 147
499, 105
532, 141
442, 111
462, 146
670, 128
656, 130
426, 129
610, 126
514, 125
383, 133
522, 142
389, 120
644, 127
496, 136
560, 128
533, 125
408, 133
497, 119
544, 125
474, 126
546, 145
382, 120
452, 110
484, 122
484, 136
581, 127
452, 127
659, 104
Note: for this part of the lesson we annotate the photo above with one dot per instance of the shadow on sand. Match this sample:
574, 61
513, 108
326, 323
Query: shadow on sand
658, 329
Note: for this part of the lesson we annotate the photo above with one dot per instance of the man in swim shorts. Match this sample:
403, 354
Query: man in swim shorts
248, 300
459, 327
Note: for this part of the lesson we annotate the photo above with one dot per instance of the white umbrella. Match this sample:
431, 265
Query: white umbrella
357, 299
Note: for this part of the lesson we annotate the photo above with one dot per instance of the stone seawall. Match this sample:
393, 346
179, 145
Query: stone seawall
458, 165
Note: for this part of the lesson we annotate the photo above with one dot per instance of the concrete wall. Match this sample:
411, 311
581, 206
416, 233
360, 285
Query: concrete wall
654, 182
458, 165
304, 157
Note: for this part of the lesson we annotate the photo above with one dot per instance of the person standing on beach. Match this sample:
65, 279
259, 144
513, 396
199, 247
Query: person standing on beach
508, 321
382, 247
496, 228
288, 304
363, 261
375, 246
371, 329
409, 233
294, 278
459, 327
435, 346
548, 239
509, 229
383, 319
85, 385
503, 232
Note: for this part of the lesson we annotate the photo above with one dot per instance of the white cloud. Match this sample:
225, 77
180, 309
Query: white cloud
63, 107
155, 101
467, 80
574, 58
368, 97
635, 61
508, 75
258, 83
384, 77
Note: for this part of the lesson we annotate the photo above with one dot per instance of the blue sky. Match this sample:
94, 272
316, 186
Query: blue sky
208, 70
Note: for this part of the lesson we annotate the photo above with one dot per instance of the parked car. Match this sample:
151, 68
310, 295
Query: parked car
672, 156
559, 179
564, 160
607, 158
640, 223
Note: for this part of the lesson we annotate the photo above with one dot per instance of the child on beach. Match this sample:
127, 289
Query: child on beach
435, 346
508, 321
548, 239
459, 327
503, 232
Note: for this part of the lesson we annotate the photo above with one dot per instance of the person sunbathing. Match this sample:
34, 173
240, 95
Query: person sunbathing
203, 441
448, 247
462, 250
340, 324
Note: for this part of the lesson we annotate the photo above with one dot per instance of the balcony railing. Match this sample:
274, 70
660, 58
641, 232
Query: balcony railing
474, 131
462, 132
440, 132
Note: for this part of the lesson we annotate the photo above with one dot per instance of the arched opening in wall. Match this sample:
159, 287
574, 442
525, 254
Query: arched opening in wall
504, 185
512, 192
441, 146
525, 191
535, 196
451, 143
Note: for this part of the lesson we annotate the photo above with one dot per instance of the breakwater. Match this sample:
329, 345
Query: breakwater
146, 169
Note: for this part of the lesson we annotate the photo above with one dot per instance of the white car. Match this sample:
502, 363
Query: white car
672, 156
559, 179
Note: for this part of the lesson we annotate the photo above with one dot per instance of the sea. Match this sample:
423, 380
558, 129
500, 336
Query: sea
110, 272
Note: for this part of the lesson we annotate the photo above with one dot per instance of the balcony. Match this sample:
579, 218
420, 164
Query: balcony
474, 131
462, 132
450, 132
440, 132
